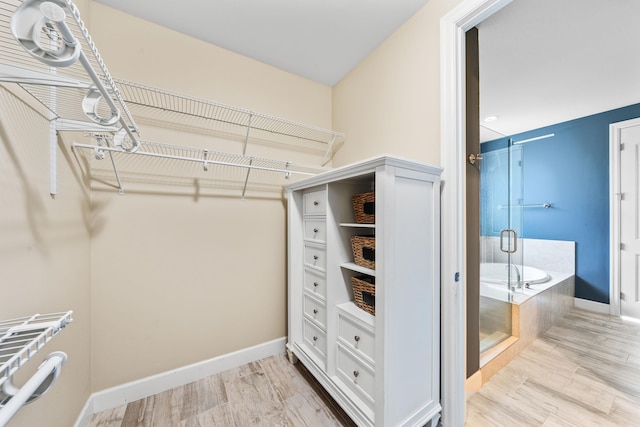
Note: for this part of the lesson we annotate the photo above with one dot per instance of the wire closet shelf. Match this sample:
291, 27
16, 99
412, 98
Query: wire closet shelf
20, 340
42, 50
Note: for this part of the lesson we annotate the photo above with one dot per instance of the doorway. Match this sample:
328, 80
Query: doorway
453, 27
625, 218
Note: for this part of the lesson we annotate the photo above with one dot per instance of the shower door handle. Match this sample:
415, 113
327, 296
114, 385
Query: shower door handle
506, 235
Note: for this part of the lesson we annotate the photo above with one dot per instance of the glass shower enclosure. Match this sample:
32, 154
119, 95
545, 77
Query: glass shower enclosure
501, 244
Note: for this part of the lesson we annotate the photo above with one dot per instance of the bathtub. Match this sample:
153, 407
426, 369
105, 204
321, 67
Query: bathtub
494, 278
498, 273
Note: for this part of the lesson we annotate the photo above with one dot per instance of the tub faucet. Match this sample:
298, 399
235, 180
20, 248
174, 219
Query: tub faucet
518, 277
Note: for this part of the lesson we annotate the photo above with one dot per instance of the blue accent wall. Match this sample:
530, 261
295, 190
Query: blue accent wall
571, 171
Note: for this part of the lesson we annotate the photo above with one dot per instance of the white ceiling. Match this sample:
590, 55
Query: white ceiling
318, 39
541, 61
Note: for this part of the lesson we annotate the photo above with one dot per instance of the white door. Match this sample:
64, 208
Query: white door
630, 221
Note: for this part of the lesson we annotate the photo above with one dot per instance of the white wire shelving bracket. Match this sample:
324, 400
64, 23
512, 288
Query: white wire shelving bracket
46, 49
46, 44
20, 340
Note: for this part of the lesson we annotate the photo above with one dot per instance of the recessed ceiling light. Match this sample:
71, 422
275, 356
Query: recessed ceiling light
490, 119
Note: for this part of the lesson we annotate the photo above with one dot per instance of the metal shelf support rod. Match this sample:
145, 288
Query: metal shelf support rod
192, 159
246, 179
246, 139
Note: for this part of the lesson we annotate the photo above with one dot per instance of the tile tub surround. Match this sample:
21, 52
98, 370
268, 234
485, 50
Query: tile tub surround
530, 319
548, 255
519, 296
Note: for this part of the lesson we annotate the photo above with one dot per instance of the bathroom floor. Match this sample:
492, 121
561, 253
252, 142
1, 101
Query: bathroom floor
583, 371
269, 392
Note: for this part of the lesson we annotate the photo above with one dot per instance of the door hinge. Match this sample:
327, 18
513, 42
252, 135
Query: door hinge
622, 296
622, 246
621, 146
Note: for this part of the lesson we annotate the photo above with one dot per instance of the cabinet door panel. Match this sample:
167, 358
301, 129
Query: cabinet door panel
356, 375
315, 283
316, 311
315, 339
315, 256
315, 229
315, 202
360, 338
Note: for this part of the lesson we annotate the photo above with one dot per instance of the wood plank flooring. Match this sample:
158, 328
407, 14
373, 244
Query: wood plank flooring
584, 371
270, 392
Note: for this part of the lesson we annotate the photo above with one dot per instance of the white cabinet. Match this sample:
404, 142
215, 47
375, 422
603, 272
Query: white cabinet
383, 369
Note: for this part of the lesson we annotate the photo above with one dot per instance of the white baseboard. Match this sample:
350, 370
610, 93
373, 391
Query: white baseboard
135, 390
598, 307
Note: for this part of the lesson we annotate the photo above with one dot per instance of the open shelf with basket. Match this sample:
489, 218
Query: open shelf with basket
374, 284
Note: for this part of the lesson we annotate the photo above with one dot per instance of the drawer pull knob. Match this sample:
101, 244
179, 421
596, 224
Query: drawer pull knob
315, 311
315, 284
356, 373
357, 338
315, 230
315, 338
316, 203
315, 257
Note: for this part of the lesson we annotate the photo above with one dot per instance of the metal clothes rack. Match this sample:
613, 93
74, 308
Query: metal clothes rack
20, 340
46, 49
44, 45
206, 158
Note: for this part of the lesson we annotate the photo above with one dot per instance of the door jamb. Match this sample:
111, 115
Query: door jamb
453, 278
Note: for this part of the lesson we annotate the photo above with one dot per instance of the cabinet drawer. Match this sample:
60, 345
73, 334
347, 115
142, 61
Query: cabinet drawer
358, 337
316, 311
315, 340
356, 375
315, 202
315, 256
315, 284
315, 230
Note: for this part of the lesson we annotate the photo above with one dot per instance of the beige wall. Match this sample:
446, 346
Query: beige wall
179, 278
44, 256
162, 277
390, 103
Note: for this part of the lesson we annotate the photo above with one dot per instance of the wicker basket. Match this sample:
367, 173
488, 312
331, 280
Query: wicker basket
364, 293
364, 207
364, 251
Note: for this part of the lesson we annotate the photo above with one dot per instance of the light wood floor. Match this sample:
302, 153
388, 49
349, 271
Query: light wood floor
270, 392
584, 371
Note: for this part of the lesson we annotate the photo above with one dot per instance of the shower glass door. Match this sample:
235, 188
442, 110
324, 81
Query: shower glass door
501, 249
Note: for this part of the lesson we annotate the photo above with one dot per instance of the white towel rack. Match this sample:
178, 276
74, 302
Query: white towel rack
46, 49
20, 340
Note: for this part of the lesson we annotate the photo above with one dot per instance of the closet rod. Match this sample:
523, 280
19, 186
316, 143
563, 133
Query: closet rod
20, 341
35, 387
204, 161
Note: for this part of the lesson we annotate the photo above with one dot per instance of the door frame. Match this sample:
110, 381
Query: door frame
453, 26
615, 131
